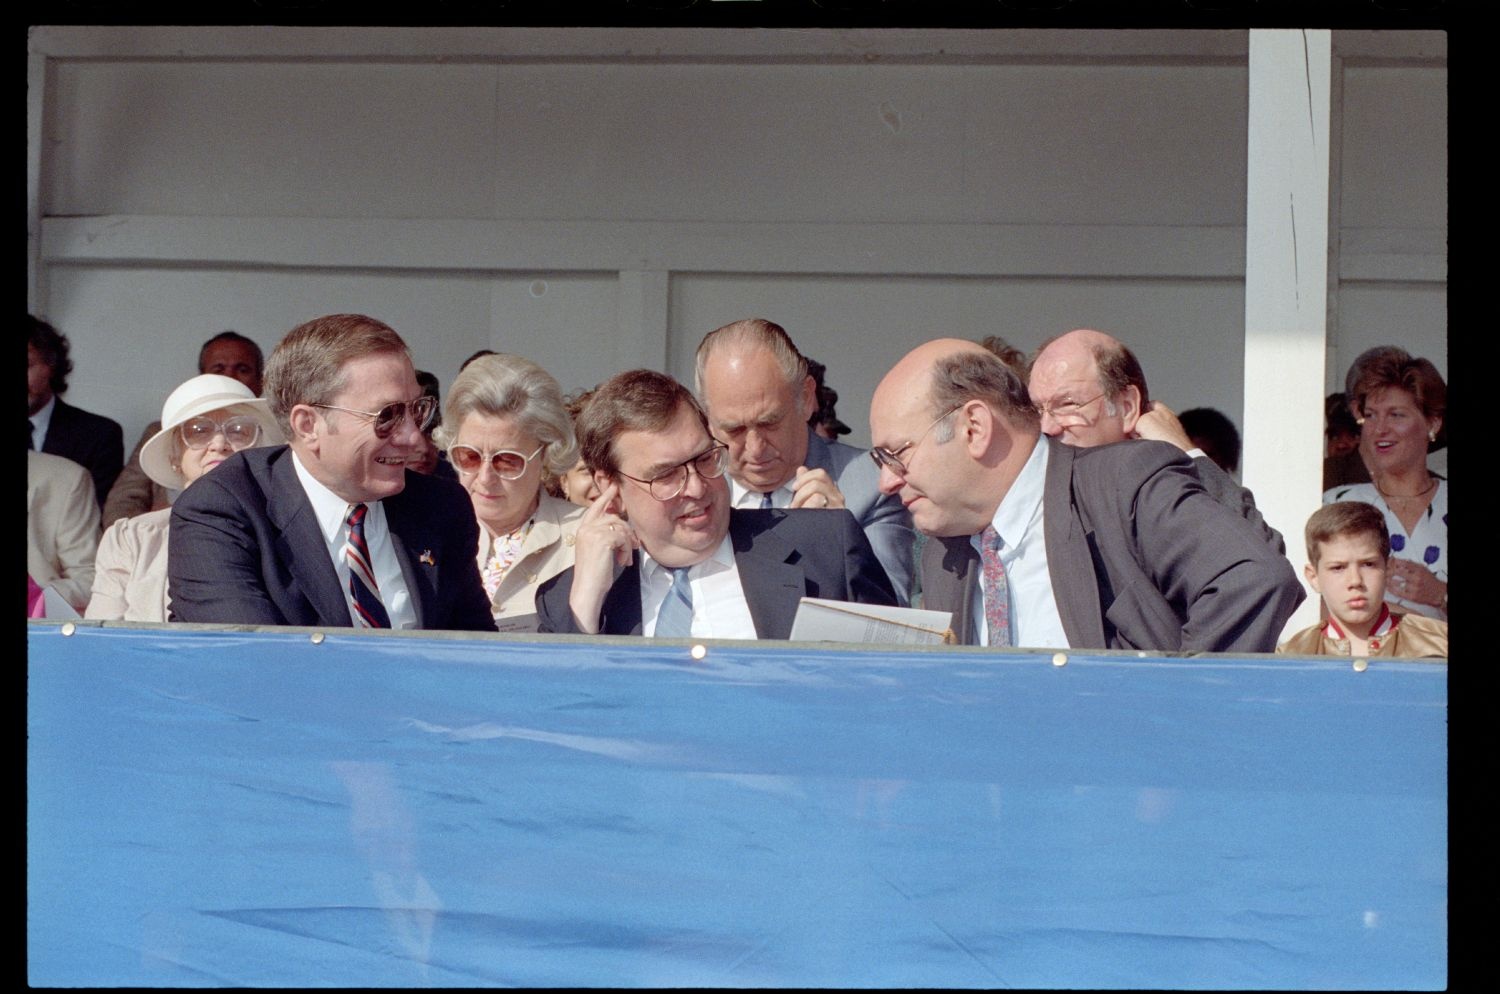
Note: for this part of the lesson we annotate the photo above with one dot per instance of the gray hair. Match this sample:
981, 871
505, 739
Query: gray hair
971, 375
509, 386
748, 334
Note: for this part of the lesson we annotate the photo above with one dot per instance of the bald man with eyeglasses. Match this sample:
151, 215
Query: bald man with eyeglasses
334, 529
662, 553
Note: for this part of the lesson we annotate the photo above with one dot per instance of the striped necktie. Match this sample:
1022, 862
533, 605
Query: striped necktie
365, 592
675, 619
996, 588
765, 501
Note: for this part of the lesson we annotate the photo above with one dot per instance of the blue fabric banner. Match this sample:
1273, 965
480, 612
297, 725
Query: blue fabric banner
211, 807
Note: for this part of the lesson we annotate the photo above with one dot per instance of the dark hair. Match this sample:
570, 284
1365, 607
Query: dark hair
52, 347
635, 400
476, 355
1215, 428
432, 388
1008, 354
827, 397
1346, 517
963, 376
1337, 418
233, 336
1392, 366
307, 366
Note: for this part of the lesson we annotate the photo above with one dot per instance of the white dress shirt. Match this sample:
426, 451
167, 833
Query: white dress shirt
753, 499
719, 607
332, 513
40, 422
1034, 621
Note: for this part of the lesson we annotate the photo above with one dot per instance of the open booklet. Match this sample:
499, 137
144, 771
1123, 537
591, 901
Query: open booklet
820, 620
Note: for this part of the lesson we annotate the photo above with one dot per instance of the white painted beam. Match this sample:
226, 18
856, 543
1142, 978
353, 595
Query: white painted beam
1286, 280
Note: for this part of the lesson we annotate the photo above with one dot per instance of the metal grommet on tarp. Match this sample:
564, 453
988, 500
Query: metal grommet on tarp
1360, 665
317, 638
698, 651
69, 628
1059, 659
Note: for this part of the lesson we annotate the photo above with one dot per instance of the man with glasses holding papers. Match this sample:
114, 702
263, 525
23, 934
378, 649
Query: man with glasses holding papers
332, 529
662, 553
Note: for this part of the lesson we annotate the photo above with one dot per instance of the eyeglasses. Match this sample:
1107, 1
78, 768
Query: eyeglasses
1068, 414
241, 432
388, 417
508, 464
890, 458
708, 464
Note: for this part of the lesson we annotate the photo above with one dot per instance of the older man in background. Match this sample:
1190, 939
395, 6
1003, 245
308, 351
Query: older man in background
758, 395
1090, 390
332, 529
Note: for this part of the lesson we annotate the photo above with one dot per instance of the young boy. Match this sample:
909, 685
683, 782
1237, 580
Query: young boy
1348, 544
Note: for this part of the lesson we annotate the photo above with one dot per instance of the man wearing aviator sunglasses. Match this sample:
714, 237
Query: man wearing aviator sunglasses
331, 529
661, 553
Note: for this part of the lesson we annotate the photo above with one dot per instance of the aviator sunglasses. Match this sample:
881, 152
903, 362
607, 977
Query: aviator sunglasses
422, 411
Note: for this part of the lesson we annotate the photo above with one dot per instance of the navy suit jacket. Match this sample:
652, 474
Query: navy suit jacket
245, 548
93, 441
782, 556
1140, 556
886, 523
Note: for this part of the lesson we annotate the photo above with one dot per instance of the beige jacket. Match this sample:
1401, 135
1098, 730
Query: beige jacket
1414, 637
547, 551
62, 526
130, 571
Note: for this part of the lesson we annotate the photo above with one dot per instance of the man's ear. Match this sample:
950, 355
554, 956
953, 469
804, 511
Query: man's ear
975, 424
809, 398
1130, 408
1312, 577
304, 421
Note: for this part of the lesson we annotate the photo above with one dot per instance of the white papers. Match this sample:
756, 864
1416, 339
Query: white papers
820, 620
57, 608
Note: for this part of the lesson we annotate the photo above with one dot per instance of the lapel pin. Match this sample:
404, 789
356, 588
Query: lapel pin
426, 557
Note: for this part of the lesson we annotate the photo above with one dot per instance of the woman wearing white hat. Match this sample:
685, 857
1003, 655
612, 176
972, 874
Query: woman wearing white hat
204, 421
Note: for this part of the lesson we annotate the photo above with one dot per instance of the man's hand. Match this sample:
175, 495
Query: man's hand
605, 540
815, 488
1160, 424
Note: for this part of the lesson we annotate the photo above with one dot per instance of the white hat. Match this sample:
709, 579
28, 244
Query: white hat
202, 394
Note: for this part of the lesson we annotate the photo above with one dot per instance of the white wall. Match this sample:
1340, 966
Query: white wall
597, 200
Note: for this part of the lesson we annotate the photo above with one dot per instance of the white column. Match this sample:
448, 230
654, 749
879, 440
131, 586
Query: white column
1286, 281
36, 93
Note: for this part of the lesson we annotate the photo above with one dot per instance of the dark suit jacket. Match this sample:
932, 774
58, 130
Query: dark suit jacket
245, 548
782, 556
886, 523
1141, 557
1222, 488
93, 441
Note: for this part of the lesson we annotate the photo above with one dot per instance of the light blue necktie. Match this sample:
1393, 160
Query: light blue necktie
675, 619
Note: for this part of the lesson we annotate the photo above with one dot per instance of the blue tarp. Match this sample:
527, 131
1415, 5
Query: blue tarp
211, 807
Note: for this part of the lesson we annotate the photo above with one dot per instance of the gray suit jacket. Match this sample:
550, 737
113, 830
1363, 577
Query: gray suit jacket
782, 557
886, 523
1141, 557
1222, 488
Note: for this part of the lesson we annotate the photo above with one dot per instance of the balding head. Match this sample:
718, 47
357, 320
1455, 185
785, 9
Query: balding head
1089, 386
756, 390
953, 428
